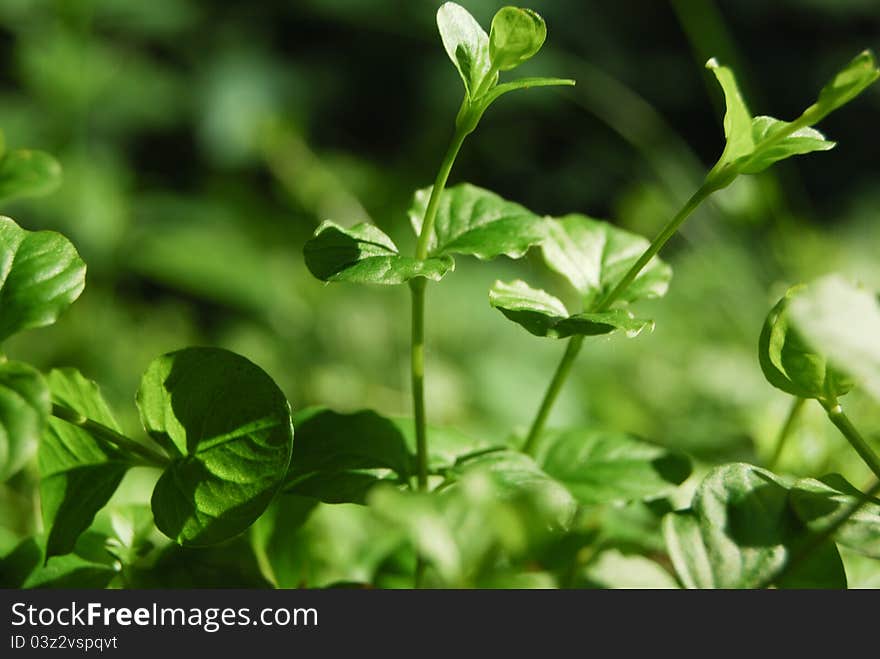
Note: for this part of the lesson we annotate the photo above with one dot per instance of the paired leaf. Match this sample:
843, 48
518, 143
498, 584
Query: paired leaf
594, 256
789, 363
474, 221
24, 412
842, 321
753, 144
515, 37
228, 426
41, 274
364, 254
544, 315
338, 458
819, 503
78, 472
600, 466
27, 173
467, 45
740, 533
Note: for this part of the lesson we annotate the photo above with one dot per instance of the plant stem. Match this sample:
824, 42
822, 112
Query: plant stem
604, 303
417, 368
656, 245
785, 431
559, 377
102, 432
848, 430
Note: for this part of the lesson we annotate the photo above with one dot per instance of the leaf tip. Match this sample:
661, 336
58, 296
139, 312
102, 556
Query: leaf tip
712, 63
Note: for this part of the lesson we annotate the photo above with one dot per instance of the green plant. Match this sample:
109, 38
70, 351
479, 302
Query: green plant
243, 487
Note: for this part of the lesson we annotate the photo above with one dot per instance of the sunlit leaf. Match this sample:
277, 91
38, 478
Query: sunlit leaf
544, 315
600, 466
466, 43
365, 255
515, 37
41, 274
228, 426
471, 220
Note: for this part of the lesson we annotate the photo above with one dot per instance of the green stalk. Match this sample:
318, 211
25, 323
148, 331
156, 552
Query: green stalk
102, 432
848, 430
784, 433
604, 303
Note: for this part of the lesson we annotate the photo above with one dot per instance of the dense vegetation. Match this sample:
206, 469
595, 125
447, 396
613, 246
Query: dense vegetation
228, 484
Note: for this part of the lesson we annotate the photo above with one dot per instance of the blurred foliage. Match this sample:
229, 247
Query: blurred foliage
203, 141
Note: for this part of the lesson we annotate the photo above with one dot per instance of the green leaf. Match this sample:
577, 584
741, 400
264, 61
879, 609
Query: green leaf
740, 533
71, 571
601, 466
365, 255
467, 45
801, 141
337, 457
517, 478
544, 315
848, 83
789, 363
26, 173
753, 144
474, 221
446, 446
515, 37
229, 427
843, 321
737, 119
78, 472
24, 412
818, 503
614, 569
524, 83
41, 274
594, 256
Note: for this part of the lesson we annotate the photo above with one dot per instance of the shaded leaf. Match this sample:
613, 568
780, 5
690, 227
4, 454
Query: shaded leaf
789, 363
24, 412
515, 37
78, 472
594, 256
466, 43
229, 427
337, 457
474, 221
818, 503
446, 446
843, 321
544, 315
365, 255
741, 533
27, 173
41, 274
600, 466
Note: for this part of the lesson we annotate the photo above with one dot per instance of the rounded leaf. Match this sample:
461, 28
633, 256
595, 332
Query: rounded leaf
24, 411
229, 428
27, 173
41, 274
790, 364
516, 36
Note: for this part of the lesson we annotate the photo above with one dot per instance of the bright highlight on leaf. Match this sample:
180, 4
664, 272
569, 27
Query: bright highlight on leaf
843, 321
466, 43
791, 364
